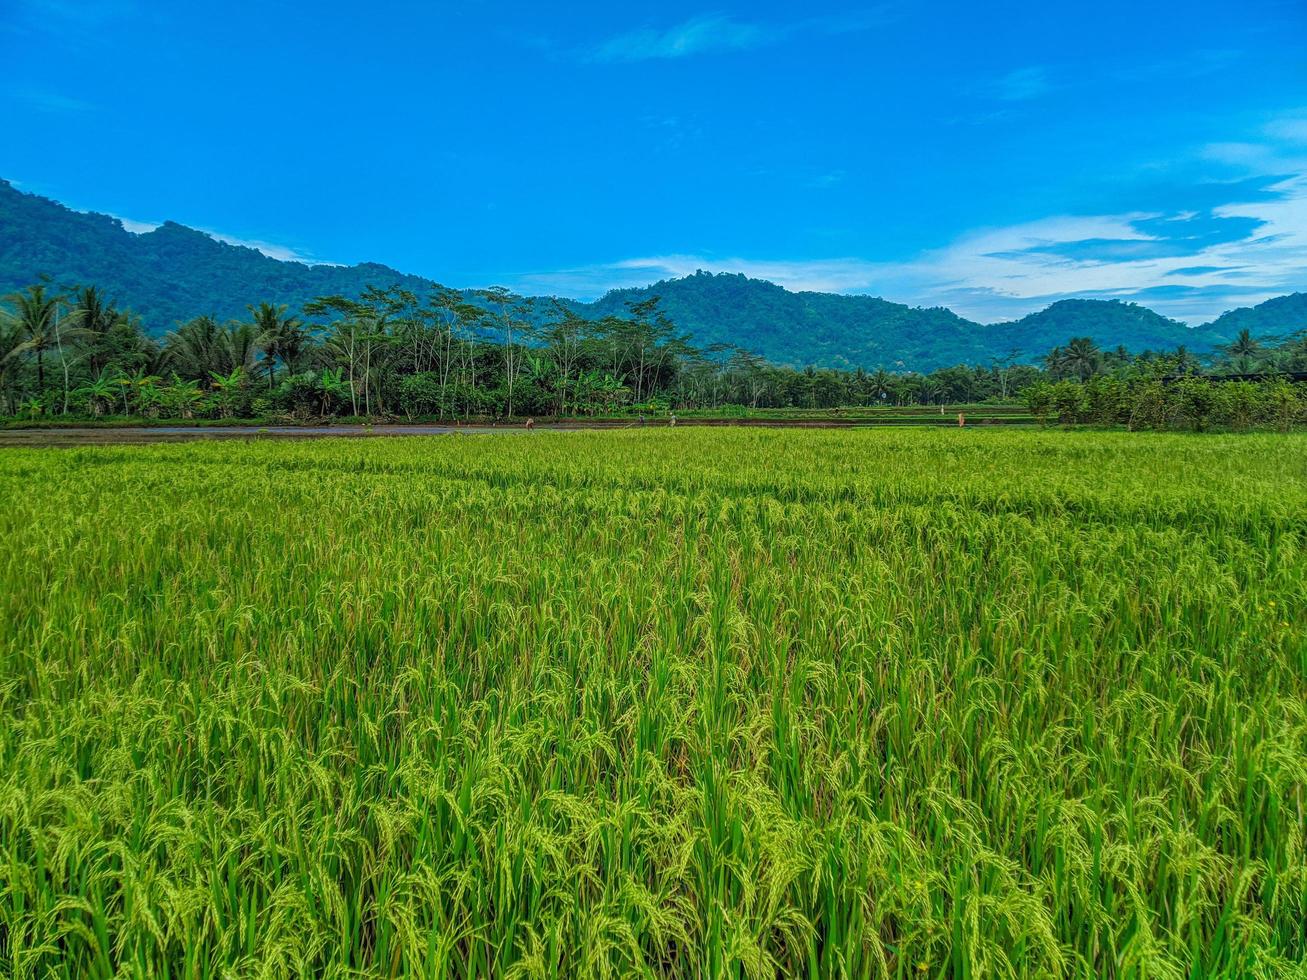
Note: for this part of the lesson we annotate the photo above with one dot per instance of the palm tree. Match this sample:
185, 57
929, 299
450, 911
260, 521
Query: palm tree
1184, 360
93, 314
932, 391
282, 337
38, 323
1081, 358
194, 348
1243, 351
880, 384
201, 347
37, 319
241, 345
11, 337
1053, 361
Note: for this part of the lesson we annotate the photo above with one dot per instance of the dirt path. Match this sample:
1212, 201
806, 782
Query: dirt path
91, 436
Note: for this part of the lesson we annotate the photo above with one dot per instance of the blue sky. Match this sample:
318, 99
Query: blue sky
988, 157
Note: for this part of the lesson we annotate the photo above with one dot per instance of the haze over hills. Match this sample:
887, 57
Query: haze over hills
174, 273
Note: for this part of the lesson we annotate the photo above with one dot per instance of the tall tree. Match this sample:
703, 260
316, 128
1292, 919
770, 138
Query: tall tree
195, 347
282, 337
565, 337
1243, 352
95, 314
508, 313
11, 338
1080, 358
344, 337
36, 313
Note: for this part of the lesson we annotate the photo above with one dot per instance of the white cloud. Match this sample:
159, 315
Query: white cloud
74, 24
48, 100
1006, 272
832, 179
1010, 271
137, 227
282, 253
589, 282
1020, 84
1185, 263
708, 32
711, 32
1290, 129
1235, 154
89, 12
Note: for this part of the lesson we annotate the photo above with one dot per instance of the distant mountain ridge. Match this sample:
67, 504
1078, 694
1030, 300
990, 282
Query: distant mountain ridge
174, 273
1282, 315
833, 330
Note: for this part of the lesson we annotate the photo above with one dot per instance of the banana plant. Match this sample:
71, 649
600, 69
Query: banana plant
183, 396
99, 392
226, 388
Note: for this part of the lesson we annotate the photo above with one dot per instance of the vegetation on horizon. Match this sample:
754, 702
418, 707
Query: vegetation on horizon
663, 703
395, 354
171, 274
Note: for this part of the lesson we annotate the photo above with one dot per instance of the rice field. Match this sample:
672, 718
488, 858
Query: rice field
685, 703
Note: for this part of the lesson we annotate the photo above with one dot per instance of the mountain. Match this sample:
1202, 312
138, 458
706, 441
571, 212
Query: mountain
1276, 317
805, 328
864, 331
169, 274
174, 273
1109, 322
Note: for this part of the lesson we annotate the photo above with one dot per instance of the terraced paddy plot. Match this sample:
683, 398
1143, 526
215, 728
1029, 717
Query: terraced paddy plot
680, 703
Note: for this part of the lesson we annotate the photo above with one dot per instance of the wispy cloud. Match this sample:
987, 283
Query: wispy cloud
839, 275
827, 180
1031, 82
1289, 129
283, 253
1192, 64
137, 227
91, 12
1191, 267
69, 22
708, 32
717, 32
1244, 240
47, 100
1020, 84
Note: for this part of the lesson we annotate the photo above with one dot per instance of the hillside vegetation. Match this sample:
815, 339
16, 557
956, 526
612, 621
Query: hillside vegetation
174, 273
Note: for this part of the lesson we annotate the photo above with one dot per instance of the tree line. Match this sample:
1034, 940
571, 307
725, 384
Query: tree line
485, 354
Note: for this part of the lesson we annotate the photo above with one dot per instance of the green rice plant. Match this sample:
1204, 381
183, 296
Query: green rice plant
681, 703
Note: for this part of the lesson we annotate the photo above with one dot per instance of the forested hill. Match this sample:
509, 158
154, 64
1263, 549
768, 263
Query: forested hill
174, 273
1110, 322
1277, 317
797, 329
863, 331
